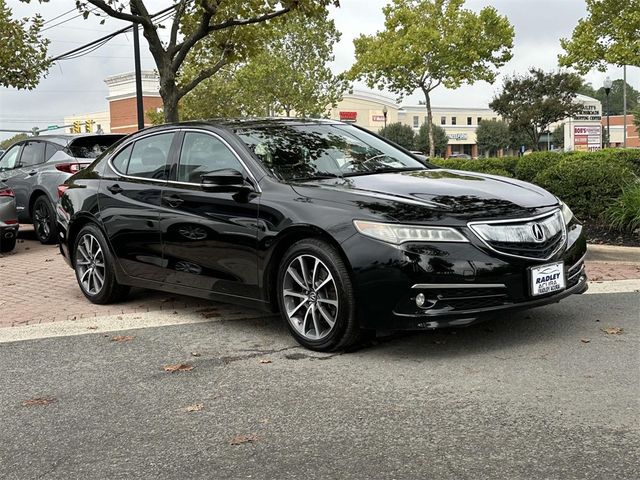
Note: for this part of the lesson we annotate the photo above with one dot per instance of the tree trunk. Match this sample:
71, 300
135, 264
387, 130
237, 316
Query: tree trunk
432, 145
169, 94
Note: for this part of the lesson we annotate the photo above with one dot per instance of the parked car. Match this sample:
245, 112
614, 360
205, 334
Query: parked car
333, 226
463, 156
8, 219
35, 167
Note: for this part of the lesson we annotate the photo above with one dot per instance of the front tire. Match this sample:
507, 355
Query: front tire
44, 221
316, 297
95, 267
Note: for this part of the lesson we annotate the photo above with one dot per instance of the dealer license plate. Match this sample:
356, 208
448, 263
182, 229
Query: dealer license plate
547, 279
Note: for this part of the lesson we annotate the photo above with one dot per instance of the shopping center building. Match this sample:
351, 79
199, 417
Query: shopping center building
367, 109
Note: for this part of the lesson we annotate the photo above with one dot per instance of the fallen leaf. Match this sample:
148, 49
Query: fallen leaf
612, 330
585, 340
196, 407
122, 338
92, 327
240, 439
178, 367
38, 401
48, 260
195, 354
265, 360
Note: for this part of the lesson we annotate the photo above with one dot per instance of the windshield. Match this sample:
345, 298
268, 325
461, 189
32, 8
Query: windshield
300, 152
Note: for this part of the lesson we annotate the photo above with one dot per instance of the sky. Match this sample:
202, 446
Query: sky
77, 86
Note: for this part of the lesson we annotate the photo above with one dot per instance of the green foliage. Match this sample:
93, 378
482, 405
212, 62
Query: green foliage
624, 214
616, 97
530, 166
439, 137
23, 51
608, 35
588, 185
399, 133
503, 166
5, 144
636, 117
532, 102
558, 136
429, 43
493, 135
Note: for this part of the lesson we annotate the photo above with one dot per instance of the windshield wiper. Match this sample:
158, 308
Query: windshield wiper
314, 177
384, 170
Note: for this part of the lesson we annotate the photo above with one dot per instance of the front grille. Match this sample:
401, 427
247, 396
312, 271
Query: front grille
536, 238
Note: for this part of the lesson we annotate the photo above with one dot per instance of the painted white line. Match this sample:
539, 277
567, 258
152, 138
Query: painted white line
615, 286
115, 323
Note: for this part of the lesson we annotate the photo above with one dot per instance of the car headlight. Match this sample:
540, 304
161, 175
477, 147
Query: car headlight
566, 212
397, 234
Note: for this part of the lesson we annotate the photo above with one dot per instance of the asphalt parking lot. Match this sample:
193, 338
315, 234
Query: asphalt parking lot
543, 394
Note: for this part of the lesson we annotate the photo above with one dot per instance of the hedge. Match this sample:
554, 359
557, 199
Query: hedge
589, 182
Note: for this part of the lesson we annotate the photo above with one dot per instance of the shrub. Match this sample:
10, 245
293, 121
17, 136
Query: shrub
624, 214
588, 185
530, 166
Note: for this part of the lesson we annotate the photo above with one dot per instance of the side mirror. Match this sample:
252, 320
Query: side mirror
226, 180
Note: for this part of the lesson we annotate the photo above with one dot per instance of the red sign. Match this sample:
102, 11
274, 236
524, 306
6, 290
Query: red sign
348, 116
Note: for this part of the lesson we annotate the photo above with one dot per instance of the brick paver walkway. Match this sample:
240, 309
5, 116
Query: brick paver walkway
36, 286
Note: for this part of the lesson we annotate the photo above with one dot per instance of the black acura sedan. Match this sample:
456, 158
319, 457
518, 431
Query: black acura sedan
333, 226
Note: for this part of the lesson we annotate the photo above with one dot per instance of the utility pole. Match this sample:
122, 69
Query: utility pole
136, 53
624, 107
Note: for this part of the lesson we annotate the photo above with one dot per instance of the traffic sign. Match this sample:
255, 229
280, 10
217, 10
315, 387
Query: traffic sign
53, 127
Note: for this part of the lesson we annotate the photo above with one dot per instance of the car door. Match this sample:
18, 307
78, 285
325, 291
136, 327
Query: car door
129, 201
25, 177
209, 238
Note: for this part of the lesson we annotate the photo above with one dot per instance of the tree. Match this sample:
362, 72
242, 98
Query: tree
399, 133
5, 144
440, 138
532, 102
428, 43
558, 136
636, 118
289, 73
493, 135
210, 33
616, 97
23, 51
608, 35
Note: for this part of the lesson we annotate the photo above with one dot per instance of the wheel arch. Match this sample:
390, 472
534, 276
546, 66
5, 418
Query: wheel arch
283, 242
74, 228
35, 194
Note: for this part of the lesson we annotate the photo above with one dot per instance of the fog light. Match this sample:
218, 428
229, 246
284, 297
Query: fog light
420, 299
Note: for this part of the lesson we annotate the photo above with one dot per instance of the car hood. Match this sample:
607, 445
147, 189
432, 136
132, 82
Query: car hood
451, 192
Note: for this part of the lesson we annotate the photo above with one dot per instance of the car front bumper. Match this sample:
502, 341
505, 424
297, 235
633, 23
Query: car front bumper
462, 282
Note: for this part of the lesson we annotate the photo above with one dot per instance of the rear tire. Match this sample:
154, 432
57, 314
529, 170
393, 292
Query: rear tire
44, 221
95, 267
316, 297
7, 244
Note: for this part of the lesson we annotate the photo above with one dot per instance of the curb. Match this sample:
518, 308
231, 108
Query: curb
613, 253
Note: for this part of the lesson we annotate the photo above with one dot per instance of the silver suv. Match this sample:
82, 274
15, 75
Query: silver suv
35, 167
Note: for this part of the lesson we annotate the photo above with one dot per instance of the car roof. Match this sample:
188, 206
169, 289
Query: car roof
65, 139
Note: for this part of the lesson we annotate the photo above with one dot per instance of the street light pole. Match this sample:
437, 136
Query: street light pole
136, 61
385, 111
607, 90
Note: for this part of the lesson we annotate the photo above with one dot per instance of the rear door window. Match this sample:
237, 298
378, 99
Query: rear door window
10, 158
149, 157
32, 154
203, 153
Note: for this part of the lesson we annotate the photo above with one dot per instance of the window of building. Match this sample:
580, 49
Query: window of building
494, 119
479, 120
443, 120
469, 121
203, 153
149, 157
454, 121
416, 121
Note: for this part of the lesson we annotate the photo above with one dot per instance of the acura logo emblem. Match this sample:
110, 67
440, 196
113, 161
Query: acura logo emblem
538, 232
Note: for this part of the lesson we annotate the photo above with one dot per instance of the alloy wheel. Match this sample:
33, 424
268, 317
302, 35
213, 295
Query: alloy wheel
90, 265
310, 297
42, 220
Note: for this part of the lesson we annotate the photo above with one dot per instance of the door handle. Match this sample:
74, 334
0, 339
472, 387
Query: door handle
115, 189
32, 173
173, 201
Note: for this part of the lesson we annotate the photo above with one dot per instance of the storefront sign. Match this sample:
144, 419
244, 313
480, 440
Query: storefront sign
377, 118
457, 136
587, 138
348, 116
588, 112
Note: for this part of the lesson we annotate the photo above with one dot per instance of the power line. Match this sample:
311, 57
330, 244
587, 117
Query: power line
67, 20
59, 16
